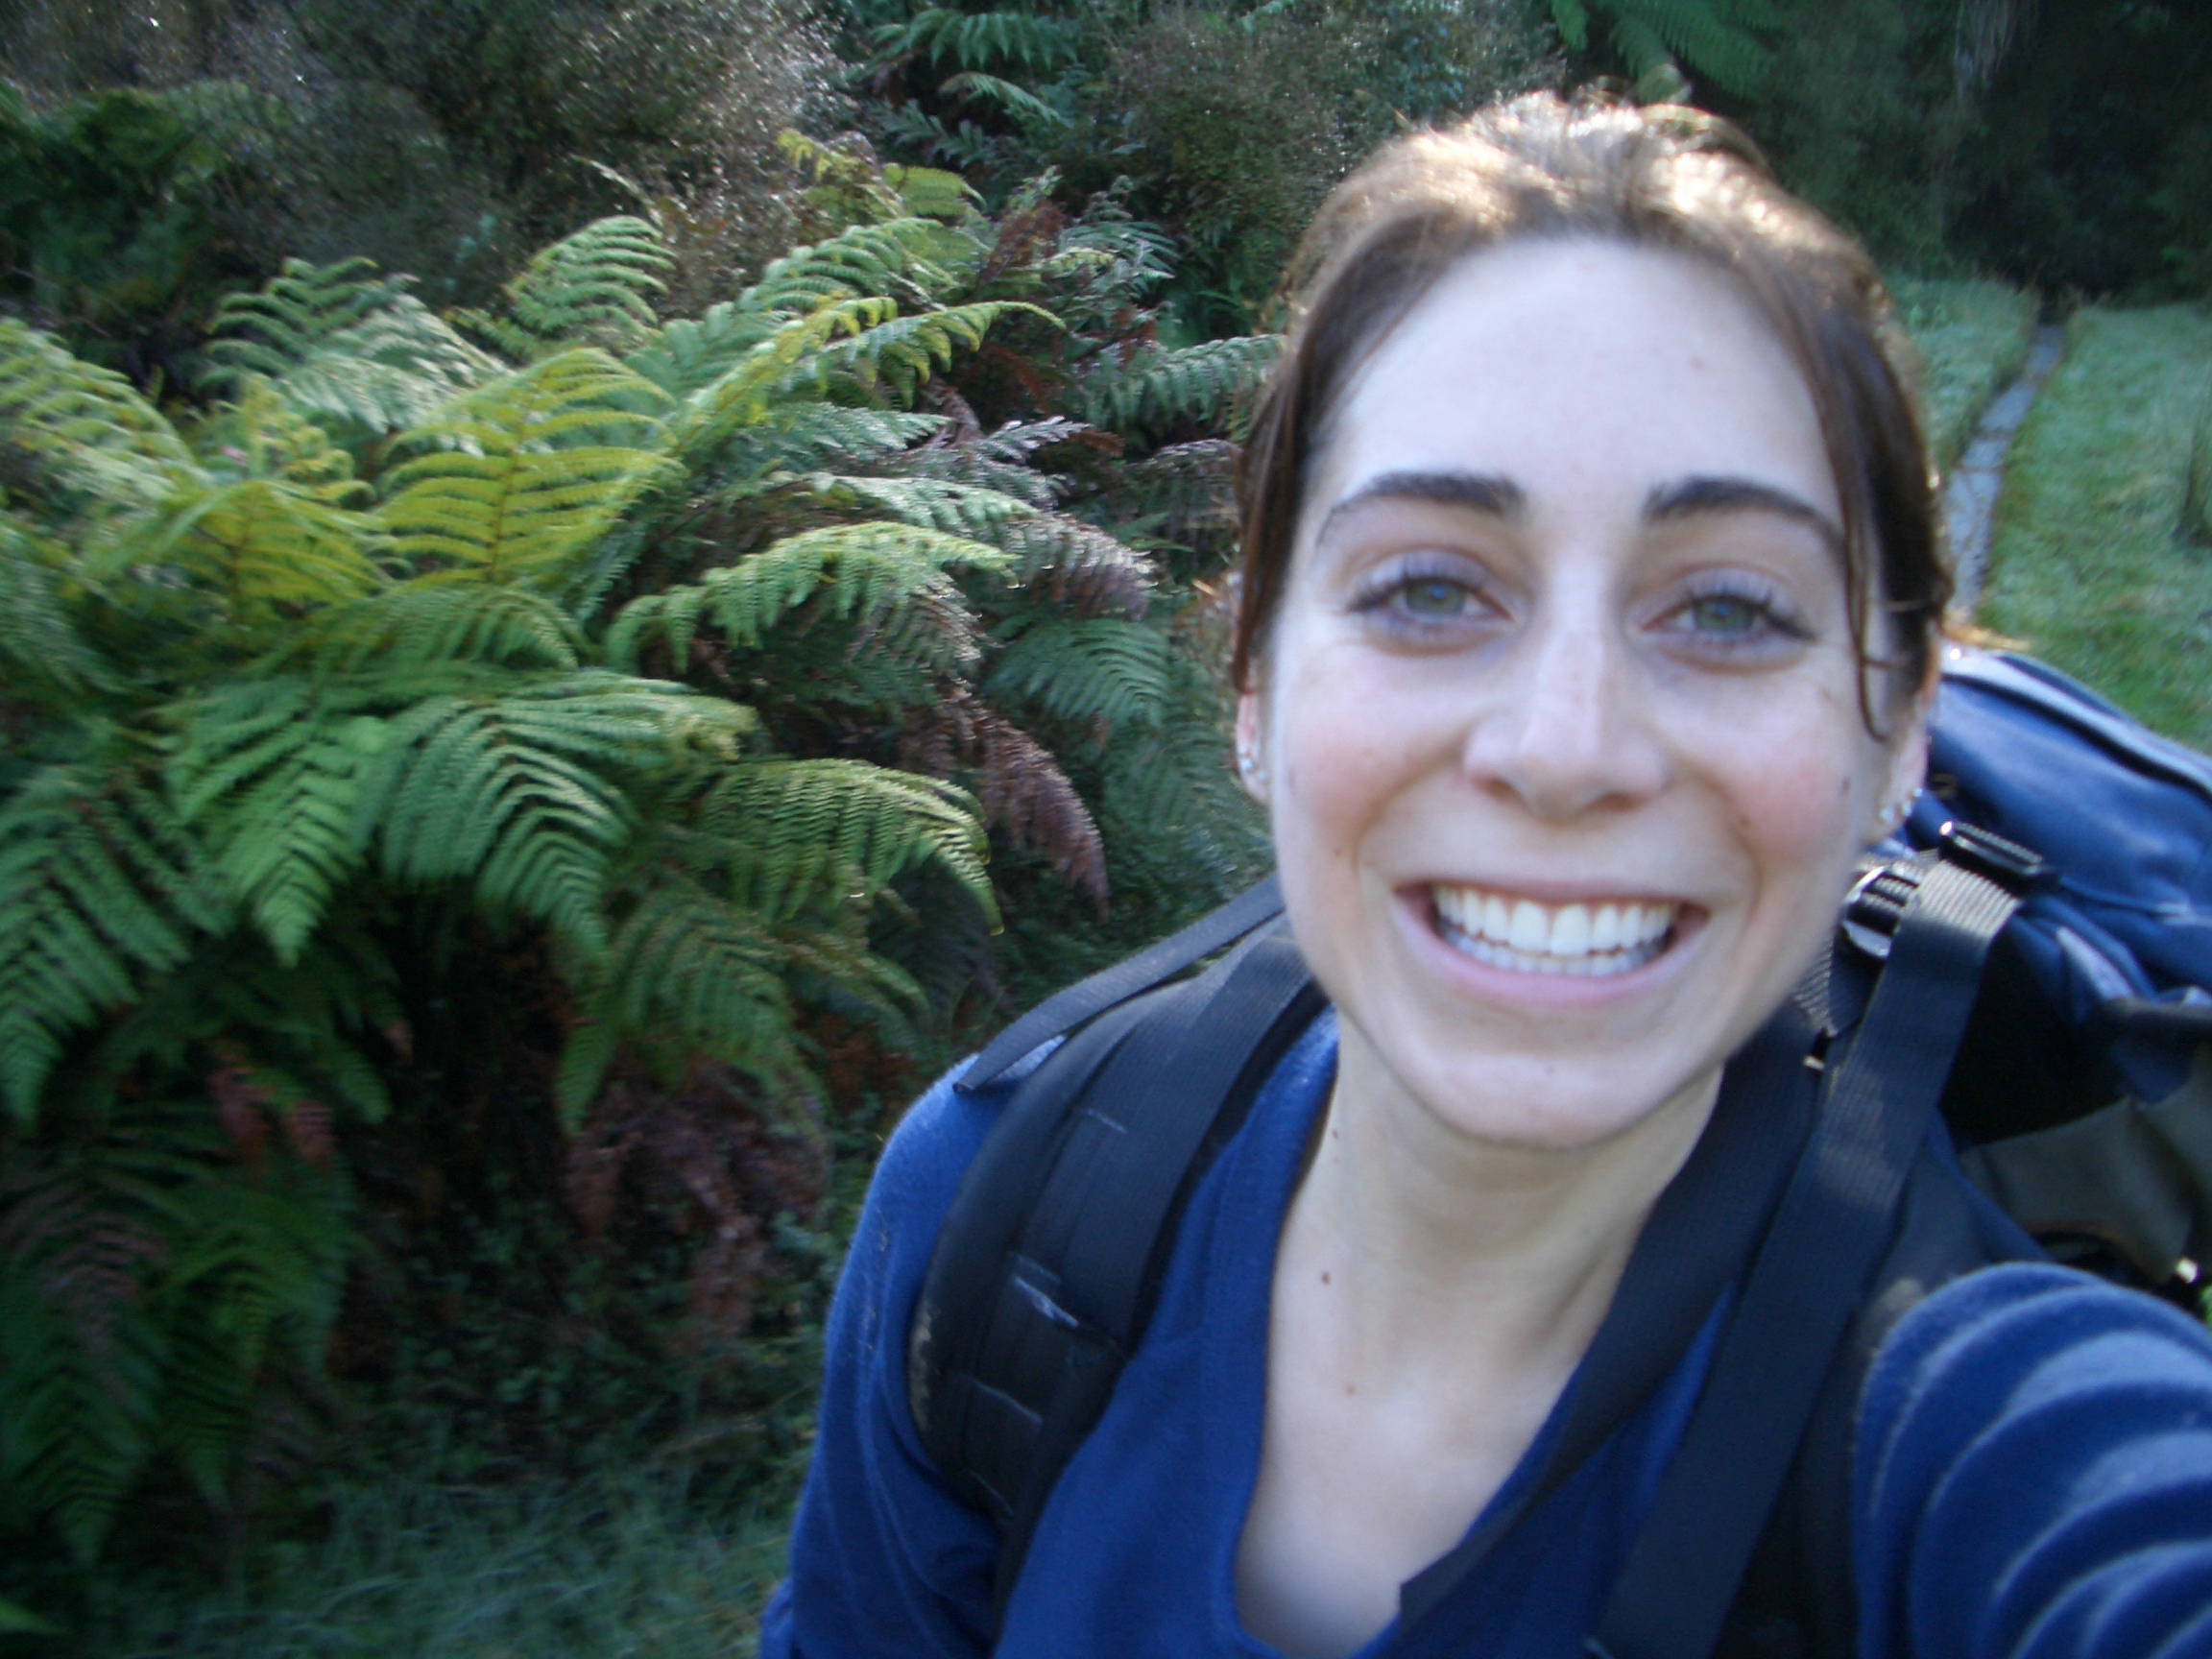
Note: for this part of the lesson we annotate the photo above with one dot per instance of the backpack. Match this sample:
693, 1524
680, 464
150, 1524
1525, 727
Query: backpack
2049, 1003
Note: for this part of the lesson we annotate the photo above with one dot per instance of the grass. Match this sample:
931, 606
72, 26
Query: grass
411, 1570
1973, 338
2101, 562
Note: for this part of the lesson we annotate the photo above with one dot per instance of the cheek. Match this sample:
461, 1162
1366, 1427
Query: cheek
1795, 786
1351, 742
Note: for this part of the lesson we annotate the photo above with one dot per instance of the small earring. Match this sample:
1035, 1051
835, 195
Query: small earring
1892, 814
1247, 763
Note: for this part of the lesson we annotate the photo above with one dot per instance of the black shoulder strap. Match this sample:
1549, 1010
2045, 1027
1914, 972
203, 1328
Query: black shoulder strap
1836, 1218
1088, 998
1045, 1271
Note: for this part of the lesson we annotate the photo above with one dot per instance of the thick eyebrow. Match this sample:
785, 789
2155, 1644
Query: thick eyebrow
1483, 492
1689, 496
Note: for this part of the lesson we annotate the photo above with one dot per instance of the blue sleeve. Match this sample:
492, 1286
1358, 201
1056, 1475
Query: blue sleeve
2033, 1476
884, 1561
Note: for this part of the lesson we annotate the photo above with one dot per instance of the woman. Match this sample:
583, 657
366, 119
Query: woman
1588, 620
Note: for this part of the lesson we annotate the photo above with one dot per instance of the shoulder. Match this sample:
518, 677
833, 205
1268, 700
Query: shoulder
2035, 1454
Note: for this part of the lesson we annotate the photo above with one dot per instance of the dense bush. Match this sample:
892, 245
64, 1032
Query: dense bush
490, 807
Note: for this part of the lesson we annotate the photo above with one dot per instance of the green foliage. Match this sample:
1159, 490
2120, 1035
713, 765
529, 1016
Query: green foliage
1719, 38
1972, 339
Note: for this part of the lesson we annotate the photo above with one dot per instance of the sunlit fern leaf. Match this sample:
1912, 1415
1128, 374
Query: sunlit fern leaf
933, 193
931, 504
255, 547
1077, 565
1199, 383
80, 1359
685, 354
99, 885
39, 644
518, 790
345, 347
896, 355
914, 261
848, 188
529, 472
804, 437
262, 436
1103, 669
78, 439
752, 388
591, 288
278, 780
418, 624
817, 834
859, 571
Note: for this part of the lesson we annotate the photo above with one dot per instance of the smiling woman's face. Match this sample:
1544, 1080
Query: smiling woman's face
1559, 720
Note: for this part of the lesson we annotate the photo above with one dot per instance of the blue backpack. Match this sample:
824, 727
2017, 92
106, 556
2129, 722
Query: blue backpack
2031, 956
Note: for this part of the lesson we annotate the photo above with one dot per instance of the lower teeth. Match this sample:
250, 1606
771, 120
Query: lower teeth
1598, 965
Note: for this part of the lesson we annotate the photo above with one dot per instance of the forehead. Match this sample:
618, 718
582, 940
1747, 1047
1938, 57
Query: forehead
1578, 368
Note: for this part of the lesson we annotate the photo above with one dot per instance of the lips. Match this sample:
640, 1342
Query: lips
1580, 940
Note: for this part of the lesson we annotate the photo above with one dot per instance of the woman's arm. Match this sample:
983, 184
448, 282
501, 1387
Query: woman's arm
2033, 1477
884, 1561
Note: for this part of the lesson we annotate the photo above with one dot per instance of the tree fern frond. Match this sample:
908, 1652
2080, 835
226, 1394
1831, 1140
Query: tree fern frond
980, 464
809, 437
592, 287
1184, 489
973, 39
1201, 383
933, 193
1078, 565
281, 779
99, 884
1018, 784
913, 261
1101, 669
84, 440
685, 354
254, 546
340, 345
898, 354
861, 571
535, 469
817, 834
39, 644
745, 394
928, 503
423, 623
1014, 100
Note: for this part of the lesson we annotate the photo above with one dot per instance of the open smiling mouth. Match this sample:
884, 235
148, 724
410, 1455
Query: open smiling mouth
1583, 941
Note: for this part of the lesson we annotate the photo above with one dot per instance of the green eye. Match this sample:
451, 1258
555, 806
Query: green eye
1434, 596
1724, 614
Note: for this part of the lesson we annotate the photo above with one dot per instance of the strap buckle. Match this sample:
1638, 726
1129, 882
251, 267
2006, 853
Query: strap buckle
1875, 908
2011, 866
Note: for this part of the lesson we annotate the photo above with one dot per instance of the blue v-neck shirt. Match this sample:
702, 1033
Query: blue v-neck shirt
1135, 1552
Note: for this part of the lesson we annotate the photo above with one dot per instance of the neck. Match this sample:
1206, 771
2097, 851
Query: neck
1431, 1231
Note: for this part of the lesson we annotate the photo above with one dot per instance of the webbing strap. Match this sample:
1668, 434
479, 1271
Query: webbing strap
1672, 1596
1089, 998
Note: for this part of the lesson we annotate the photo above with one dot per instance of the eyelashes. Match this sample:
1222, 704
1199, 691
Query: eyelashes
1717, 616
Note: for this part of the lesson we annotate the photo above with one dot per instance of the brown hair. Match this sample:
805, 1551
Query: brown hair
1667, 178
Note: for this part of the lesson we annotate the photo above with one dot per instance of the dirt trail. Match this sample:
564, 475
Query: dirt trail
1970, 492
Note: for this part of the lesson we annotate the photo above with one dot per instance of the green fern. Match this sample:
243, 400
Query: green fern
817, 834
517, 480
592, 288
928, 503
863, 572
423, 624
100, 886
344, 347
39, 644
915, 262
81, 441
1101, 670
1715, 38
973, 39
1198, 383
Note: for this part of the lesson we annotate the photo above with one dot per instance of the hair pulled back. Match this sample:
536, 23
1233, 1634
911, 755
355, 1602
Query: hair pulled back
1666, 178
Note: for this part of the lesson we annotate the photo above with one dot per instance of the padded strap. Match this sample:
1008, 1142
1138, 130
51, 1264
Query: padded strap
1088, 998
1836, 1218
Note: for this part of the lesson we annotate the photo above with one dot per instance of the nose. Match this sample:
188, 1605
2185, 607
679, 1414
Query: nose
1570, 731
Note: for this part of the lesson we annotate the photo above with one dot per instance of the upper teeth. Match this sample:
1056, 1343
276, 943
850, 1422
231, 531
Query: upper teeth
1564, 930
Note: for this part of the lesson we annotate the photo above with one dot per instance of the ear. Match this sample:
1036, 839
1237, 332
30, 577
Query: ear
1251, 747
